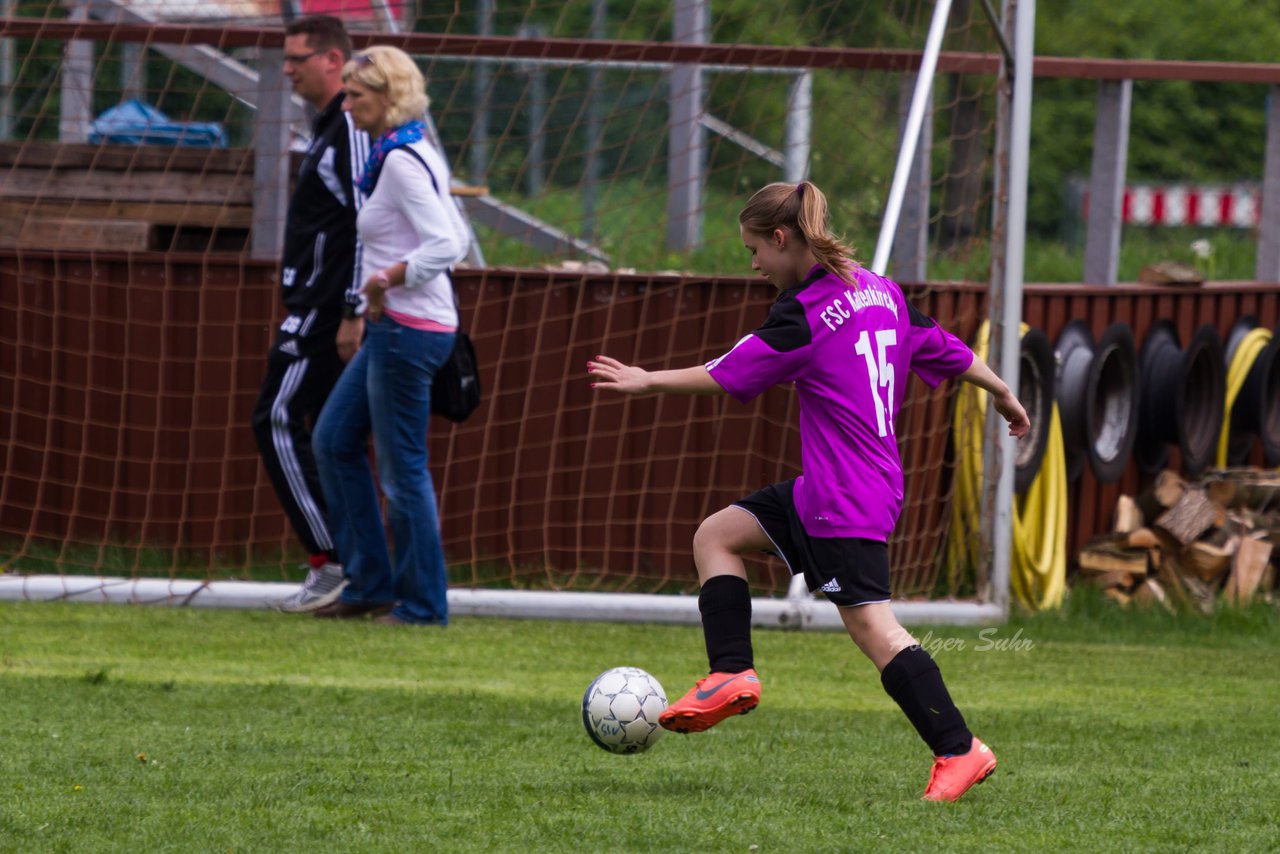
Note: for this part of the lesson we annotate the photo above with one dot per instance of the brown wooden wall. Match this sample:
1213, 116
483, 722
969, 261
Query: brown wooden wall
126, 383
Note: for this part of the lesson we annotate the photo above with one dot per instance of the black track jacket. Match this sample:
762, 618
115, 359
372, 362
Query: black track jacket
320, 270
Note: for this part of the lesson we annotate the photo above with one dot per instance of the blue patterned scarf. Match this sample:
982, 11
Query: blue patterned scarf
410, 131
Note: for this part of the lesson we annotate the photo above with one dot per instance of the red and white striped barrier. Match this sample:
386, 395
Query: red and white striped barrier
1235, 206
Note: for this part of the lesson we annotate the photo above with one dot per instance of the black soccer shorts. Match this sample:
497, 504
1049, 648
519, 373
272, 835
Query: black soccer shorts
849, 570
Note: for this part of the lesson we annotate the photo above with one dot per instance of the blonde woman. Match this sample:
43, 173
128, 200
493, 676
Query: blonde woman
846, 338
410, 236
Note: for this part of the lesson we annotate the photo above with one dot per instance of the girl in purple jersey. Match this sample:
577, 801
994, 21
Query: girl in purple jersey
846, 338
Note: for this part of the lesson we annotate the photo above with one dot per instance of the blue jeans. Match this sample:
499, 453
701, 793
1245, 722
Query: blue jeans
386, 390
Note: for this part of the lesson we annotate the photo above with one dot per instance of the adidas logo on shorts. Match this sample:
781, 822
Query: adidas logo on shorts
831, 586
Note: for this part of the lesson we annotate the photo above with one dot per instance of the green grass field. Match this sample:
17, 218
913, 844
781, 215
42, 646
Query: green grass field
146, 729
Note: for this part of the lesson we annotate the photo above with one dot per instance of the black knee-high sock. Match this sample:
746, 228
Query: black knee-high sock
914, 681
725, 604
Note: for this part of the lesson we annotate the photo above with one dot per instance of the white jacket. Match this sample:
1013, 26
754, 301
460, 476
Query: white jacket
411, 219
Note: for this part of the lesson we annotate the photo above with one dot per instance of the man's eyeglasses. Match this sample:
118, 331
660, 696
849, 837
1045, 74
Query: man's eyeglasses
299, 58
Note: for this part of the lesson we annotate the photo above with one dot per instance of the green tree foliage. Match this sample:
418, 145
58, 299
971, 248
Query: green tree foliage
1179, 131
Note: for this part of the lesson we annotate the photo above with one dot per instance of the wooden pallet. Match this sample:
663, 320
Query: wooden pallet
130, 197
124, 197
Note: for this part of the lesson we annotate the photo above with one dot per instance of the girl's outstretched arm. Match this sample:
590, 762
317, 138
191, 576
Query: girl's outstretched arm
1004, 400
611, 374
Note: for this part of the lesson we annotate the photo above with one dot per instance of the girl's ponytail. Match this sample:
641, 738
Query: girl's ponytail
801, 208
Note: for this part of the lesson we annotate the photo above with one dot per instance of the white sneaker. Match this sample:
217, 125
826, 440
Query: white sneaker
322, 587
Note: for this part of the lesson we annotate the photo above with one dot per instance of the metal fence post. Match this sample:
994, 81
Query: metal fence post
910, 254
481, 83
594, 128
75, 110
535, 116
270, 157
686, 138
133, 71
1267, 265
6, 76
1106, 182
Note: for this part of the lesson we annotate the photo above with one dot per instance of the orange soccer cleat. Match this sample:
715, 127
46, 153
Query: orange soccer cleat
954, 775
713, 699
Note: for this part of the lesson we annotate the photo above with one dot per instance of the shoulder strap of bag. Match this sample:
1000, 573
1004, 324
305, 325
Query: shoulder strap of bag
449, 273
410, 150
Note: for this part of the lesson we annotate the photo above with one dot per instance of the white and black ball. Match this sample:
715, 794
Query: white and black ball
620, 710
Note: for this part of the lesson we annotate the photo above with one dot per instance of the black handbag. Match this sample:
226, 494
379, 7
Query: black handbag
455, 391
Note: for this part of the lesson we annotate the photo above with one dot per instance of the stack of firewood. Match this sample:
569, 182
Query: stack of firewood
1183, 544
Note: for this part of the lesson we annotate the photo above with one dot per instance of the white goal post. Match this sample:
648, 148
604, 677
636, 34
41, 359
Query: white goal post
790, 613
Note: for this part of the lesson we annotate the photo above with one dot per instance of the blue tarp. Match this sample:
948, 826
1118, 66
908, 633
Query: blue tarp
136, 122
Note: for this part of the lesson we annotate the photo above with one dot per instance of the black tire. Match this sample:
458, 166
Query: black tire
1159, 363
1268, 397
1074, 358
1201, 400
1112, 402
1183, 396
1242, 327
1035, 391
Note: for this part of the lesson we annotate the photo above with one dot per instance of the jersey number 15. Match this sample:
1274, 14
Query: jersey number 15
879, 374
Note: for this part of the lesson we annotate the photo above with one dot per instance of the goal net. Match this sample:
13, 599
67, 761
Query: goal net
601, 152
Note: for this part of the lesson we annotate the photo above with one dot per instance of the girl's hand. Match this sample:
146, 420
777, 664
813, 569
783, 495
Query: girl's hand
612, 374
1011, 410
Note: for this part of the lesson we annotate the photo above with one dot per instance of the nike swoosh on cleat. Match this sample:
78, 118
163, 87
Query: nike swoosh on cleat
703, 695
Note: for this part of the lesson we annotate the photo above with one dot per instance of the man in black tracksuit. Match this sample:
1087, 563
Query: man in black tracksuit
320, 278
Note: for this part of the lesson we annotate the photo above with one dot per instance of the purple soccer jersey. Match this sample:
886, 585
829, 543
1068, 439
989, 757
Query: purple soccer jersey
848, 350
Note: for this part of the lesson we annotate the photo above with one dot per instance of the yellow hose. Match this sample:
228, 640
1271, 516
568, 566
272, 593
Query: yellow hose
1038, 558
1246, 354
1038, 570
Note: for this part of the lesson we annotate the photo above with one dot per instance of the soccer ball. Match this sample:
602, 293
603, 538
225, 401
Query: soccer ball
620, 710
